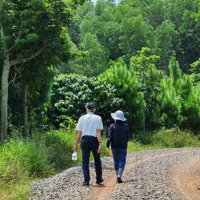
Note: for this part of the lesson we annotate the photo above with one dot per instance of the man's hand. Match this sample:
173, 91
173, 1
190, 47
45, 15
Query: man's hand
75, 148
78, 138
99, 140
99, 148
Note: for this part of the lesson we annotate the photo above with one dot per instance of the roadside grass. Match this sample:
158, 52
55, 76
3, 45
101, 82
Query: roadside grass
21, 161
168, 138
25, 160
18, 191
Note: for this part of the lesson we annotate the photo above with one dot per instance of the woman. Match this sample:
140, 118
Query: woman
118, 134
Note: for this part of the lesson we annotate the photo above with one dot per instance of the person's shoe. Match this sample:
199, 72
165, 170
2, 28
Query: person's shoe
119, 180
99, 181
86, 183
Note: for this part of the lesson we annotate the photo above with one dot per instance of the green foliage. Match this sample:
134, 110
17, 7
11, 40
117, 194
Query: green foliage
100, 34
170, 105
142, 62
155, 12
59, 144
38, 81
172, 138
23, 161
167, 42
43, 155
195, 70
175, 74
167, 138
170, 100
153, 99
167, 27
190, 105
128, 88
20, 161
31, 31
144, 66
71, 92
95, 60
23, 158
135, 34
180, 99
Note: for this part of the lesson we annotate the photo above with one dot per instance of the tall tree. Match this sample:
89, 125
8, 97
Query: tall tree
29, 29
167, 42
128, 88
144, 66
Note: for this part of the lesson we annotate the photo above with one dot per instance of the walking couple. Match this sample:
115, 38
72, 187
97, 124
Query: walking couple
89, 129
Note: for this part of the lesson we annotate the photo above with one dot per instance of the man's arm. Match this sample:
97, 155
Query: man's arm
78, 138
99, 140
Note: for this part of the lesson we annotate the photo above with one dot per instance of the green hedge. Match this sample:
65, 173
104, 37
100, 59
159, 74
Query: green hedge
71, 92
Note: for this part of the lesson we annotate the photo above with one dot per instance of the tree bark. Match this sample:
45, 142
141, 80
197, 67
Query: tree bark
24, 60
25, 108
4, 96
4, 84
4, 89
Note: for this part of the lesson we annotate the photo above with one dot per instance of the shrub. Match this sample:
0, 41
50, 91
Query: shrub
174, 138
127, 88
23, 158
71, 92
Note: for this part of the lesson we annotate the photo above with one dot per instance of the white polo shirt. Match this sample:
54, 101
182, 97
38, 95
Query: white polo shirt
89, 123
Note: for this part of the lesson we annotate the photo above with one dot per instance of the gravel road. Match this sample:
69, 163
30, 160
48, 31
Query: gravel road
165, 174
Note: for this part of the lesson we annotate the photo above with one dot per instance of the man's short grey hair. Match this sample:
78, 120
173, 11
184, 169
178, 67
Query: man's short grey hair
92, 109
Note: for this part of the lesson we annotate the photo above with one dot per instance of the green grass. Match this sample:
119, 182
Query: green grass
18, 190
168, 138
25, 160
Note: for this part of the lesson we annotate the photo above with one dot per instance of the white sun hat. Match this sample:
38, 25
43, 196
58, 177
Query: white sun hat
118, 115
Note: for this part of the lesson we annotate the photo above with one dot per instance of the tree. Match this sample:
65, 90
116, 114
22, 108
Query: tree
169, 97
144, 66
135, 34
195, 70
91, 59
180, 99
71, 92
29, 30
155, 13
167, 42
185, 16
128, 88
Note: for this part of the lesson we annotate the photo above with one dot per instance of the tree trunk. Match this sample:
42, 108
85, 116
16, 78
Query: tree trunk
4, 96
25, 108
4, 84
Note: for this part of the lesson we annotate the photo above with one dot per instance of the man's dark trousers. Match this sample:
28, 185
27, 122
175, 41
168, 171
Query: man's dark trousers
88, 144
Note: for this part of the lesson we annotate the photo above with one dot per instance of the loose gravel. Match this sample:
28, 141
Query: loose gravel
148, 175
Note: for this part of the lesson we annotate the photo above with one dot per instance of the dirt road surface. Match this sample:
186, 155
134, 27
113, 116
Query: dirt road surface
165, 174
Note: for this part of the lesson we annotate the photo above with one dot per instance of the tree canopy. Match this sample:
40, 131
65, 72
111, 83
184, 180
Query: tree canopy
146, 51
169, 28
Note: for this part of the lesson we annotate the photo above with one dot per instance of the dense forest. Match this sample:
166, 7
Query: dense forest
139, 56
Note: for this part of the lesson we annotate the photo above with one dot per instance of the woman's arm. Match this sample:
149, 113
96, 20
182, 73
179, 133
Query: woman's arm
109, 139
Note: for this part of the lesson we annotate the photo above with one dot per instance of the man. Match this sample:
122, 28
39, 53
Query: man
89, 132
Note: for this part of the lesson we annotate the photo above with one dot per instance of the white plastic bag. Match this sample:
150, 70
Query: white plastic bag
74, 156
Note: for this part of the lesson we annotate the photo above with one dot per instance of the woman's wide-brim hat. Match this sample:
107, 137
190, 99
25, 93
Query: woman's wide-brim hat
118, 115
